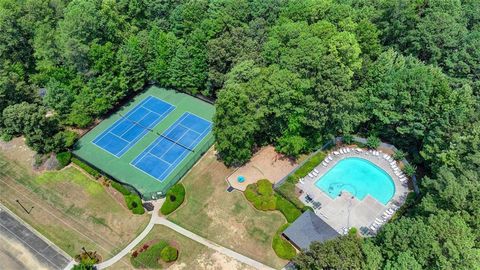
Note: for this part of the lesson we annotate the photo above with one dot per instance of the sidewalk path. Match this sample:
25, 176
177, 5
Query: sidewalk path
155, 219
212, 245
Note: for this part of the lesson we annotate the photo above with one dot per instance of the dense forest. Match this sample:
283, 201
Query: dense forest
283, 72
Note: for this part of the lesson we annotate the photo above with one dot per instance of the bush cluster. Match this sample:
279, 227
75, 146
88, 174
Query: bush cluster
86, 168
120, 188
64, 158
288, 209
282, 247
169, 254
373, 142
309, 165
175, 197
261, 195
148, 258
134, 203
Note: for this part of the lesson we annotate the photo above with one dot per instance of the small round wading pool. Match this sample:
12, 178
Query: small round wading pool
359, 177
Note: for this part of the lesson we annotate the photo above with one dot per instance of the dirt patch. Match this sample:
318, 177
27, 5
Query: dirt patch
265, 164
219, 261
17, 151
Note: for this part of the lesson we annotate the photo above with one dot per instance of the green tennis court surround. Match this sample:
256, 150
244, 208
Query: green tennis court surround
138, 144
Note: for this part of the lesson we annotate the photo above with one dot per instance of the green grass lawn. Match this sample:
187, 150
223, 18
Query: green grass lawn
226, 218
70, 209
192, 255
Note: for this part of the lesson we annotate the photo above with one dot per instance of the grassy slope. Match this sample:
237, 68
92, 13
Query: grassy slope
226, 218
69, 208
192, 255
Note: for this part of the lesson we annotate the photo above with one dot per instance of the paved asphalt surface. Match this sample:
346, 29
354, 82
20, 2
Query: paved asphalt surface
21, 248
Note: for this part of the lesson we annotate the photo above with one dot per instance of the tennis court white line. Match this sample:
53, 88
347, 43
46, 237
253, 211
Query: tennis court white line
150, 147
181, 156
140, 105
117, 122
114, 125
189, 128
140, 135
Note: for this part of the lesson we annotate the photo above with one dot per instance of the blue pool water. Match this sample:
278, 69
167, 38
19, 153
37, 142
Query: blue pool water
359, 177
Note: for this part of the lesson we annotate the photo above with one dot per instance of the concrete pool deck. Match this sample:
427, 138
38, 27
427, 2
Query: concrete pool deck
346, 210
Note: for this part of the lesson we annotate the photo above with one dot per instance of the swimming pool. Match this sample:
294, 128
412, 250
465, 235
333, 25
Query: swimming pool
359, 177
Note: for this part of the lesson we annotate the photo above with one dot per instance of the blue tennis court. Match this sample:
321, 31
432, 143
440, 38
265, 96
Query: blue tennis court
130, 128
168, 150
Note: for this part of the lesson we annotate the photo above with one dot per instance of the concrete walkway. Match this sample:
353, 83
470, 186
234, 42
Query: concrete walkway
228, 252
155, 219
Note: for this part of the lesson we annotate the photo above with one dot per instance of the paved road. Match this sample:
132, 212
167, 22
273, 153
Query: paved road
21, 247
155, 219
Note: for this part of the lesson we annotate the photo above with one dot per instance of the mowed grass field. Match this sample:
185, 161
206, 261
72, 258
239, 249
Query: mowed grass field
69, 208
191, 256
226, 218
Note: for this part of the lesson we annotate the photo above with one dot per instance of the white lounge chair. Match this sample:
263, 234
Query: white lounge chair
315, 170
349, 150
310, 175
324, 164
379, 220
335, 152
330, 158
314, 173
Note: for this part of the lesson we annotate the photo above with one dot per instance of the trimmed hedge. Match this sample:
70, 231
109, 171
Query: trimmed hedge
169, 254
149, 257
86, 168
134, 203
287, 208
175, 197
309, 165
282, 247
287, 191
120, 188
64, 158
261, 195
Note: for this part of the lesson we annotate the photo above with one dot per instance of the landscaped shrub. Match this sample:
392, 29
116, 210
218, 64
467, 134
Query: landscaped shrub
347, 139
64, 158
282, 247
309, 165
6, 137
373, 142
399, 155
175, 197
409, 170
264, 187
86, 168
149, 258
134, 203
287, 208
120, 188
169, 254
261, 195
